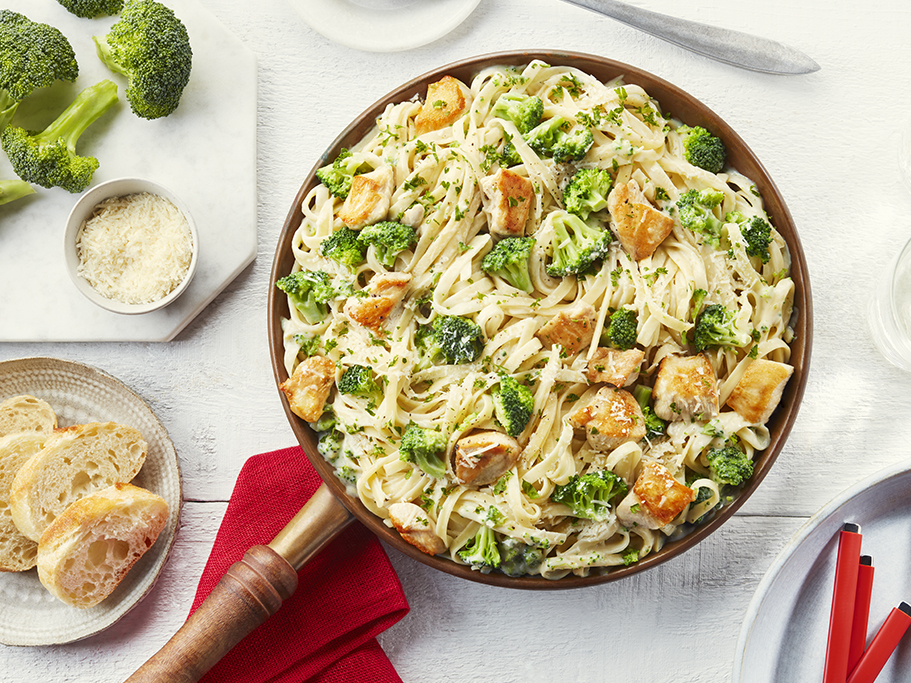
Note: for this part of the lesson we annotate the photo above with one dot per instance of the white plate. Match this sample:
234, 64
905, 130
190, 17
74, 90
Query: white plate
29, 614
783, 637
384, 25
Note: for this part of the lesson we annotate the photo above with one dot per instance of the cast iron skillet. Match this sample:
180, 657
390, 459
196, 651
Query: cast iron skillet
255, 587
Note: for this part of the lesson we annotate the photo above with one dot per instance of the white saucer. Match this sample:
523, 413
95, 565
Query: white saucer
384, 25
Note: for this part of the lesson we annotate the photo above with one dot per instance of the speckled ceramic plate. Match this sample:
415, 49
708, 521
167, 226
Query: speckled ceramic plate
784, 633
29, 614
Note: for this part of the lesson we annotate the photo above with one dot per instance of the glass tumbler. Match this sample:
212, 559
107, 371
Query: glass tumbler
890, 313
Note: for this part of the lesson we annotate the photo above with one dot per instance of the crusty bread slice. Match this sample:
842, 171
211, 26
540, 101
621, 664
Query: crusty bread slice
26, 414
74, 462
17, 552
85, 553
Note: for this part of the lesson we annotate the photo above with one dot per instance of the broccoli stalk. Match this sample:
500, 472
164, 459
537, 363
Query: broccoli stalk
654, 425
389, 239
576, 244
454, 339
11, 190
343, 246
509, 260
425, 448
523, 110
89, 9
591, 495
337, 175
517, 558
702, 149
151, 47
481, 551
716, 326
729, 464
694, 209
587, 191
49, 158
309, 291
513, 404
622, 331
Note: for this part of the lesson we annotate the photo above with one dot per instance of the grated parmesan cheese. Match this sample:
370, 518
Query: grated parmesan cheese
135, 248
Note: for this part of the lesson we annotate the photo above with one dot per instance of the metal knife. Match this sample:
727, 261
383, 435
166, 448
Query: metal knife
731, 47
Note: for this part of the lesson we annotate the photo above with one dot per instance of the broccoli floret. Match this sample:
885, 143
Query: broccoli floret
523, 110
622, 330
654, 425
702, 149
89, 9
337, 175
481, 551
358, 380
454, 339
509, 156
32, 56
151, 47
326, 421
576, 244
389, 239
545, 135
509, 260
729, 465
11, 190
716, 326
49, 158
587, 191
757, 233
694, 209
513, 404
573, 146
591, 495
425, 448
517, 558
309, 291
343, 246
330, 443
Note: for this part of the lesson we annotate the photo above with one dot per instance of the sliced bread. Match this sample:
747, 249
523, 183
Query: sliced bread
88, 549
17, 552
26, 414
74, 462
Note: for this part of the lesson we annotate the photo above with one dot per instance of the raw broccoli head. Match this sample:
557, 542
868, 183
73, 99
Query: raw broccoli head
517, 558
622, 330
481, 551
151, 47
694, 210
729, 465
11, 190
573, 146
591, 495
454, 339
343, 246
523, 110
509, 260
89, 9
702, 149
425, 448
49, 158
545, 135
359, 380
513, 404
576, 245
337, 175
757, 233
310, 291
716, 326
389, 239
587, 191
654, 425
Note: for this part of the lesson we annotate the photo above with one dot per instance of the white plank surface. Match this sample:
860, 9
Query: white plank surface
829, 140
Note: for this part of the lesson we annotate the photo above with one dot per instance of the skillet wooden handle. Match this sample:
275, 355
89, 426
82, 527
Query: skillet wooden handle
250, 592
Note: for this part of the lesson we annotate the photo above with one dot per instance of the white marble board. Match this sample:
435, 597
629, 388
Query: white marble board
205, 152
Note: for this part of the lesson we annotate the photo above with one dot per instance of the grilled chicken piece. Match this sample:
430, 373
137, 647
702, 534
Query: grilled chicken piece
638, 225
412, 523
507, 202
656, 499
572, 329
759, 390
385, 292
308, 387
612, 418
444, 104
368, 201
685, 386
482, 457
620, 368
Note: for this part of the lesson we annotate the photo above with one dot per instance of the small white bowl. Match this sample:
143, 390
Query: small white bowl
83, 211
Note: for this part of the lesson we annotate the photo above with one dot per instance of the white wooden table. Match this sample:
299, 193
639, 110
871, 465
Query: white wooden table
829, 140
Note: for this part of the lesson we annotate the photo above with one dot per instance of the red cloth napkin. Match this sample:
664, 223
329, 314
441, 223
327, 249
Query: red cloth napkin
346, 595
